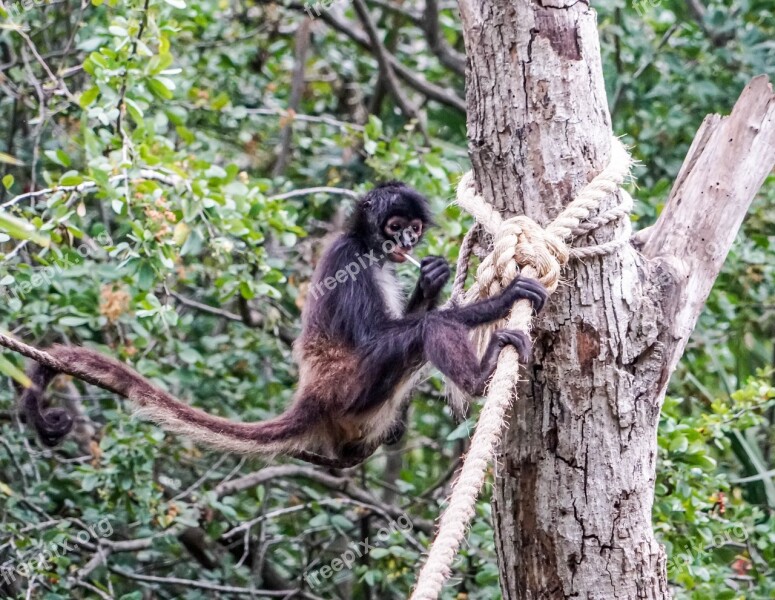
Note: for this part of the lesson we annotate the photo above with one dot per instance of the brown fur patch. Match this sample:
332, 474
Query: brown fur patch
328, 373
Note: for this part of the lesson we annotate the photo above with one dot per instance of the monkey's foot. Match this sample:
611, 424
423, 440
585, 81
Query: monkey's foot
518, 339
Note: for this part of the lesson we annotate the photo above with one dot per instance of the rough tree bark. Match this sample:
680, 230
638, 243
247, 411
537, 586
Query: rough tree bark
575, 475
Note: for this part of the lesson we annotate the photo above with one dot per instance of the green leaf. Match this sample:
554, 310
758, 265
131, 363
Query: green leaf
8, 181
21, 230
10, 160
462, 431
71, 178
89, 96
12, 371
755, 461
73, 321
159, 87
134, 109
59, 157
679, 444
145, 276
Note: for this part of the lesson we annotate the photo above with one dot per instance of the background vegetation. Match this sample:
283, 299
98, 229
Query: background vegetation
153, 145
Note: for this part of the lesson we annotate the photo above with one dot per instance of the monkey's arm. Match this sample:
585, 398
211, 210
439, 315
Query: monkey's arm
434, 273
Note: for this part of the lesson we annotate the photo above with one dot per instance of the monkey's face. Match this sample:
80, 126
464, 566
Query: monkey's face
391, 219
405, 233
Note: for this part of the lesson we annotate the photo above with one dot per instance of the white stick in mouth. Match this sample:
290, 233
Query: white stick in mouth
412, 260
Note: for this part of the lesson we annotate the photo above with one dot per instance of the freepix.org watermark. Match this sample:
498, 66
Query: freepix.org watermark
41, 560
14, 9
347, 559
320, 6
16, 292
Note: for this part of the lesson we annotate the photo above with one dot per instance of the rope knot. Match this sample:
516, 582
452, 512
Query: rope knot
521, 242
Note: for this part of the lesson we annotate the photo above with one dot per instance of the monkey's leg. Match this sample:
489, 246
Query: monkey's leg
497, 307
447, 346
51, 424
350, 455
325, 461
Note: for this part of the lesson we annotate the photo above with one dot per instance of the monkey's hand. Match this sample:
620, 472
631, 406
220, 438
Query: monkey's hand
434, 273
528, 289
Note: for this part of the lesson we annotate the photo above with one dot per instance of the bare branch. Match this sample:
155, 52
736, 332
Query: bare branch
205, 585
726, 165
59, 83
341, 484
253, 320
697, 9
324, 119
316, 190
448, 57
206, 308
302, 39
434, 92
88, 186
381, 53
415, 17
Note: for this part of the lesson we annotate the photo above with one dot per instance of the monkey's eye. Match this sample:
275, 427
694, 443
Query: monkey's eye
394, 226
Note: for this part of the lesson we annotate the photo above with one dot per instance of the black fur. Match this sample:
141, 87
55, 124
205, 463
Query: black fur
389, 350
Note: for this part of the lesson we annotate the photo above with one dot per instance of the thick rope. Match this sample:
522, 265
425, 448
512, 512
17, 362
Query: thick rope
461, 272
519, 245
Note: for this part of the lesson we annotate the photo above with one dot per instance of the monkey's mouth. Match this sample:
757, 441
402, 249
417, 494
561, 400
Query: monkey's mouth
400, 253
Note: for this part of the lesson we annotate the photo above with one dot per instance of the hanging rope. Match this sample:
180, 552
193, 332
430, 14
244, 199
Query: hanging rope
520, 245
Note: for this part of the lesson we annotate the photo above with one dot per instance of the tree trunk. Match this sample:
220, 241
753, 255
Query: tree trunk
575, 474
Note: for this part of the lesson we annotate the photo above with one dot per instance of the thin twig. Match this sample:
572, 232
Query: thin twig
130, 58
301, 48
316, 190
59, 83
87, 186
204, 585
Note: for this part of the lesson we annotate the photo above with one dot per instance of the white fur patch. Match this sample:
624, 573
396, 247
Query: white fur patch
385, 417
392, 293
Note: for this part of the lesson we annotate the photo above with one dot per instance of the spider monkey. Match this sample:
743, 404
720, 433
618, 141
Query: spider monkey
359, 351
